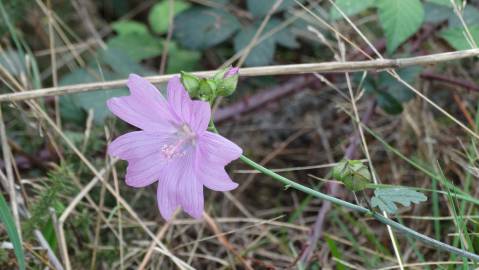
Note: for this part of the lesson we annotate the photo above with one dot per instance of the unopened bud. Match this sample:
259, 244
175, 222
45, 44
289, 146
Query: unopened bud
191, 83
353, 173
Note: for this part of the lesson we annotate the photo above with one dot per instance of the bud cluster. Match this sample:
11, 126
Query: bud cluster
353, 173
223, 83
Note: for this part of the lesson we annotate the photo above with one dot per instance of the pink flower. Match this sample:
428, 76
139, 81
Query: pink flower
173, 146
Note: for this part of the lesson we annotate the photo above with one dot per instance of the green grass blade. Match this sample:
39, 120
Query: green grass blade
7, 219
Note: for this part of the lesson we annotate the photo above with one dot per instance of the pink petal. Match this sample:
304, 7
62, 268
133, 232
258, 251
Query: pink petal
215, 177
143, 172
214, 148
167, 194
137, 144
232, 71
188, 191
200, 116
142, 149
145, 108
179, 99
195, 113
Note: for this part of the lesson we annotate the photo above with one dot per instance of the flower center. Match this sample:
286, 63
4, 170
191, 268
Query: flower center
183, 139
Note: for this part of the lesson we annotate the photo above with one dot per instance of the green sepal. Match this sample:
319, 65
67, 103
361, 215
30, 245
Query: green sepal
191, 83
227, 86
207, 90
220, 74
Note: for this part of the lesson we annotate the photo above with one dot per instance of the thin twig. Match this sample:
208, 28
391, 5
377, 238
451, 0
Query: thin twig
379, 64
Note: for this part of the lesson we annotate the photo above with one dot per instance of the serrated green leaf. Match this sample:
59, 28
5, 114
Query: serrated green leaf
441, 2
350, 7
395, 88
73, 107
285, 37
121, 63
262, 53
201, 28
6, 218
470, 15
387, 198
262, 7
125, 27
182, 60
159, 16
457, 39
388, 103
400, 19
137, 46
434, 13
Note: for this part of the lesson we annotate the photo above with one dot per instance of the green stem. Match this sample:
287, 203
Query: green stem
397, 226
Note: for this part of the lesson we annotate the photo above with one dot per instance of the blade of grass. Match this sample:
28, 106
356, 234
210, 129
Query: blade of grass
335, 252
7, 219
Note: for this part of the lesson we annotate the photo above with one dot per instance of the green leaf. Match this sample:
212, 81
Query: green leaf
395, 88
159, 16
436, 13
286, 38
7, 219
181, 59
470, 16
441, 2
201, 28
457, 39
400, 19
137, 46
73, 107
387, 198
262, 7
121, 63
125, 27
350, 7
261, 54
388, 103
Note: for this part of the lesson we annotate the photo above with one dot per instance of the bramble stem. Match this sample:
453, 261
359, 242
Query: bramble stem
397, 226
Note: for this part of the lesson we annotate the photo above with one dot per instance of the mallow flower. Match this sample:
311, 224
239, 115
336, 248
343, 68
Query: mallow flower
173, 146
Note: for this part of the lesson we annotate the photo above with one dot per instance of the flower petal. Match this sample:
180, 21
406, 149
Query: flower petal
179, 99
142, 149
145, 108
179, 184
216, 149
195, 113
191, 190
167, 194
215, 178
200, 116
143, 172
137, 144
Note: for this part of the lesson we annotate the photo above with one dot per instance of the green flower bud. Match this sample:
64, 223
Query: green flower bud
353, 173
191, 83
227, 86
207, 89
220, 74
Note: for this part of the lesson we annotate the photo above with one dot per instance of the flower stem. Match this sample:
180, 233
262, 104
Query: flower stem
397, 226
